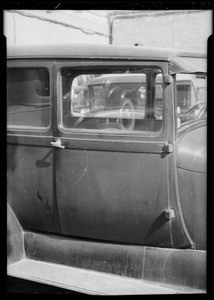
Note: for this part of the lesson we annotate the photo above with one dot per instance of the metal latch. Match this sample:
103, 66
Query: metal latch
169, 214
57, 144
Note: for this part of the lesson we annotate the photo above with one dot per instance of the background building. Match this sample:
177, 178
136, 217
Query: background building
182, 29
55, 26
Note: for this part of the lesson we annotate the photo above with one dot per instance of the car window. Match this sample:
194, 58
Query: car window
198, 111
191, 98
112, 100
28, 97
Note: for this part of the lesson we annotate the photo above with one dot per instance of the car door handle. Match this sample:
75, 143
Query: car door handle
57, 144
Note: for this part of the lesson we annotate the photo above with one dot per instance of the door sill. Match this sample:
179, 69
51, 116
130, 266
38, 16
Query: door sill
83, 281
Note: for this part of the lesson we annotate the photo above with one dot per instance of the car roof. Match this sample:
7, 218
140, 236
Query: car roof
96, 51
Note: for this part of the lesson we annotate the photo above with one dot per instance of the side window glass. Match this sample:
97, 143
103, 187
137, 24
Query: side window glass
191, 98
184, 96
28, 97
123, 101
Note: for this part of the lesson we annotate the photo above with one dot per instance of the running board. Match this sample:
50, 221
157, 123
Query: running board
83, 281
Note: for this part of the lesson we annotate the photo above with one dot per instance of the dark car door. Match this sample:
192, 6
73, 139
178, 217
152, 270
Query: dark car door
30, 181
111, 184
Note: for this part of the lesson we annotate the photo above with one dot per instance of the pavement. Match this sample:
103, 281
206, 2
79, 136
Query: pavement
20, 286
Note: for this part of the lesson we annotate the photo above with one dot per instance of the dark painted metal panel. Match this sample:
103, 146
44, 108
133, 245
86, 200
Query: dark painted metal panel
191, 153
192, 150
30, 186
113, 196
185, 268
194, 204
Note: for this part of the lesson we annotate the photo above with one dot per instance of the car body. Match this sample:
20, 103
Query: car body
107, 168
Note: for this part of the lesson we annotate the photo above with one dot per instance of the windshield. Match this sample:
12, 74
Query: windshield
191, 98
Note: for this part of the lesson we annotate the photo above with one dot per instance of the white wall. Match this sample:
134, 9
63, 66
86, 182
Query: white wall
187, 30
47, 27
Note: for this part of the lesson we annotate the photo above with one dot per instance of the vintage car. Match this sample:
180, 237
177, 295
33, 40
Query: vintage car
106, 170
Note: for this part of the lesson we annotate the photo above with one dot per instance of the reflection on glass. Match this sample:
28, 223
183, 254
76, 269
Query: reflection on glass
119, 101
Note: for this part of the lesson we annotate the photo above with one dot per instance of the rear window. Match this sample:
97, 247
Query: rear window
28, 97
191, 98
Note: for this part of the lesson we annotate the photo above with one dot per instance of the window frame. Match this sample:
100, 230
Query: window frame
100, 64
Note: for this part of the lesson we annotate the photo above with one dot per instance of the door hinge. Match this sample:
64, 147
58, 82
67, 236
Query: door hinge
168, 79
168, 147
169, 214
